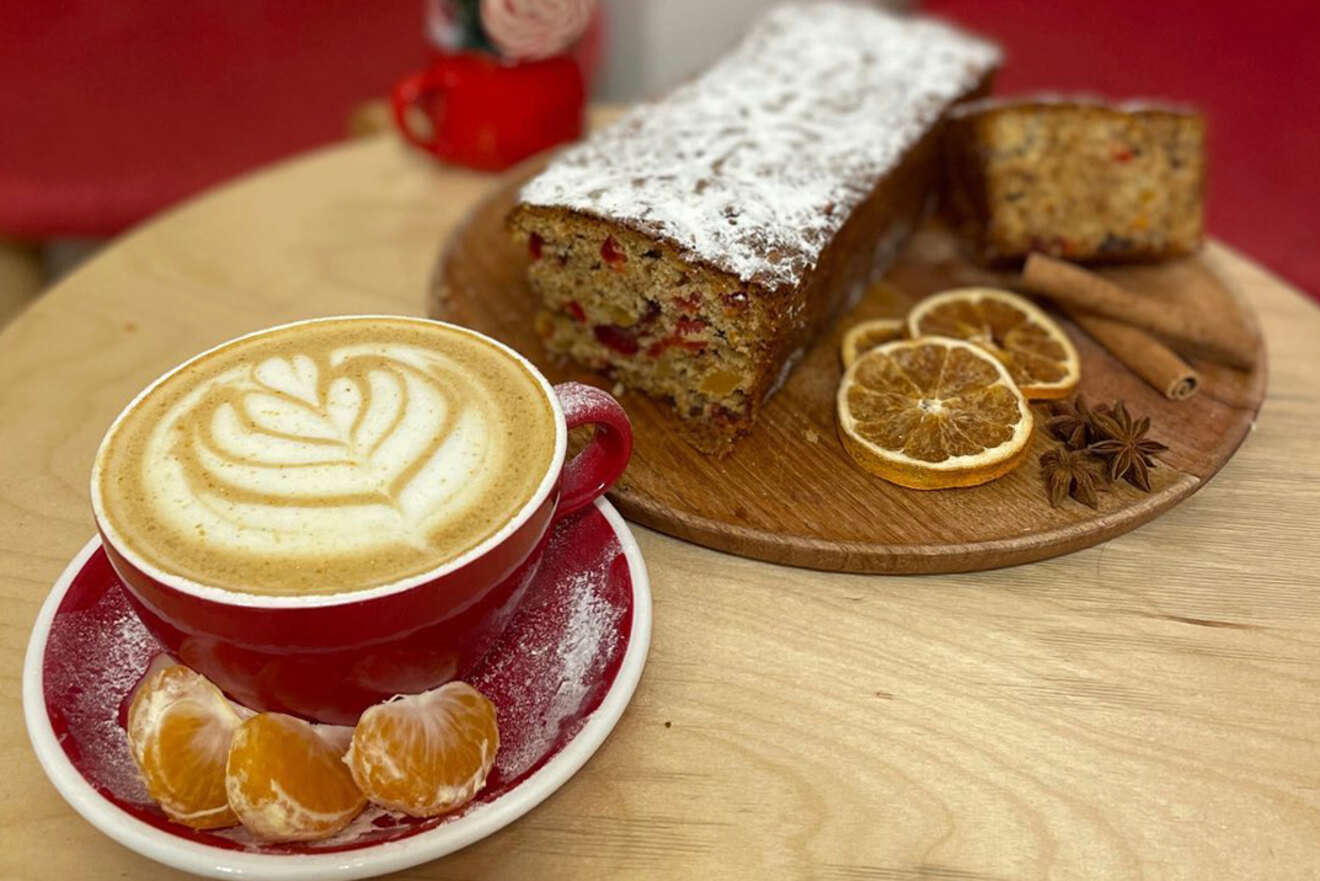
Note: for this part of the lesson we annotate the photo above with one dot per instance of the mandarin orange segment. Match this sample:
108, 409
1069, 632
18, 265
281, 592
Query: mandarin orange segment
179, 731
425, 754
286, 780
933, 413
866, 335
1037, 352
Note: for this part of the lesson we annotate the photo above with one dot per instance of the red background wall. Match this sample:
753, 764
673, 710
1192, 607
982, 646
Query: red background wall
1251, 66
112, 110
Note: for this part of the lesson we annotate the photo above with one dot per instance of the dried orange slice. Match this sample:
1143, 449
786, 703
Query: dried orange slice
179, 731
933, 413
1038, 354
866, 335
286, 780
428, 753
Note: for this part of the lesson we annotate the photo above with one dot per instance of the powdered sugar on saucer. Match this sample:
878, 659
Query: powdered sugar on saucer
546, 676
551, 675
755, 165
114, 650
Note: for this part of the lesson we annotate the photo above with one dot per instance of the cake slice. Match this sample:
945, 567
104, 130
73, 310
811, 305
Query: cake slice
1077, 178
696, 247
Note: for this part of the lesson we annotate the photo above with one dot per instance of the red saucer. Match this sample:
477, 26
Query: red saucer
559, 679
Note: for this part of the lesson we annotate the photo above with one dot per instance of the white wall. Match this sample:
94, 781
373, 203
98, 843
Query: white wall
654, 44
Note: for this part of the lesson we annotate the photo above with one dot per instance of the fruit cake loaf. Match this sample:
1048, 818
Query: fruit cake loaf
694, 249
1076, 178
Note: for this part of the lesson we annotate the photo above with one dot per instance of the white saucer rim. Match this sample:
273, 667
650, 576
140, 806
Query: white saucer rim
365, 862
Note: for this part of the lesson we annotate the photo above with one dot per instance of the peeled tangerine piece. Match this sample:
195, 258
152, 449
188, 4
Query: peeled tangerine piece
179, 731
425, 754
286, 779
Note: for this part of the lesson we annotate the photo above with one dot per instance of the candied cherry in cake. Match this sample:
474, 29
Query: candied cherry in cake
684, 328
657, 348
534, 244
575, 309
610, 253
614, 337
690, 303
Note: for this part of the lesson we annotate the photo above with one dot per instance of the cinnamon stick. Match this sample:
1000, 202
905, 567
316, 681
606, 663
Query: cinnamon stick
1209, 333
1143, 354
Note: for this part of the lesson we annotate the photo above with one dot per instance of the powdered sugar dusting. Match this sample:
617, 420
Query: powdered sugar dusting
113, 650
755, 165
577, 397
549, 674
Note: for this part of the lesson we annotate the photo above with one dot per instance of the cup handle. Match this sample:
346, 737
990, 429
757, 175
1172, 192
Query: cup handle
409, 92
600, 463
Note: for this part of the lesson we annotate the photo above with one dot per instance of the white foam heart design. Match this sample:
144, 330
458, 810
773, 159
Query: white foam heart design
351, 448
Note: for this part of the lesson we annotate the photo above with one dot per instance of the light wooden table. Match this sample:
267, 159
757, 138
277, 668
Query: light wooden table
1146, 709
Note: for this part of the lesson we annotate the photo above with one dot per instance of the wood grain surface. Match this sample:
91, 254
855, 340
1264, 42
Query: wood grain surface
1144, 709
823, 511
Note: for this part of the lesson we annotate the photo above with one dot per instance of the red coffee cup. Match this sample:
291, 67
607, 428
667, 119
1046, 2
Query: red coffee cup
487, 113
327, 657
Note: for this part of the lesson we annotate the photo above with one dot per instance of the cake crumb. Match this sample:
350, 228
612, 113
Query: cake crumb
812, 437
618, 390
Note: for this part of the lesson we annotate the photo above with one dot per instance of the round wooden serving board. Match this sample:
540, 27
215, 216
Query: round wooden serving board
789, 493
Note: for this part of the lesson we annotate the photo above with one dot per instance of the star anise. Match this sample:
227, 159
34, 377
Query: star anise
1124, 445
1071, 423
1074, 473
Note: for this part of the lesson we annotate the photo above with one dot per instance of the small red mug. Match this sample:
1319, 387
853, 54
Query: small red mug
328, 657
488, 114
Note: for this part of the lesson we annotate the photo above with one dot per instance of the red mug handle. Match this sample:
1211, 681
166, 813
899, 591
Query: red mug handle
600, 463
410, 91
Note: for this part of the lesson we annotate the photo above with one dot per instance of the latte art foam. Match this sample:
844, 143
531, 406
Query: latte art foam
327, 456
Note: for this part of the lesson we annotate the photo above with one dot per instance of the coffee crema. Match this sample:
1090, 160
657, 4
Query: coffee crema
326, 456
